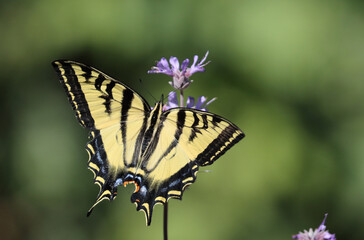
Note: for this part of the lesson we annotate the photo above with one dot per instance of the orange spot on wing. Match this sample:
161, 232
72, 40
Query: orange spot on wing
136, 185
126, 183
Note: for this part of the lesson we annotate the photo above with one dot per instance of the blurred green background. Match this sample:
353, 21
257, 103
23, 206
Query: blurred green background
288, 73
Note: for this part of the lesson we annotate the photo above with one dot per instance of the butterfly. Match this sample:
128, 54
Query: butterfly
158, 151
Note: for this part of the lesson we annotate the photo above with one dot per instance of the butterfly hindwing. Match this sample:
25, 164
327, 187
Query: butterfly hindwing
114, 113
186, 139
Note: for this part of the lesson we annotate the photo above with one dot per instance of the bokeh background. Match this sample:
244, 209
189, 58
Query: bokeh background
288, 73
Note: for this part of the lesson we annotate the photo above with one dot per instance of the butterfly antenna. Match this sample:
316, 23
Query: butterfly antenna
141, 83
164, 98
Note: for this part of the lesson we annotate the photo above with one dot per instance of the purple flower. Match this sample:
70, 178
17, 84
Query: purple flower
318, 234
181, 76
172, 101
201, 103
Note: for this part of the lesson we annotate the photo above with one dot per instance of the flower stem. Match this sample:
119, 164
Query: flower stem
181, 98
165, 221
165, 210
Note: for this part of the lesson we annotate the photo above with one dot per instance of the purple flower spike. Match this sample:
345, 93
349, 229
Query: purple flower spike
162, 67
199, 67
201, 103
172, 101
181, 76
318, 234
190, 102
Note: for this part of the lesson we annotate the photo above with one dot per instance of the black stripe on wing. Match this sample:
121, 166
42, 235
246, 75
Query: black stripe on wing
173, 187
125, 107
146, 198
229, 136
153, 145
74, 92
226, 139
107, 182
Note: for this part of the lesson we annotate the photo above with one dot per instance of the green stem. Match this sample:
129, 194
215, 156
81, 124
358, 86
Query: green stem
165, 210
181, 98
165, 221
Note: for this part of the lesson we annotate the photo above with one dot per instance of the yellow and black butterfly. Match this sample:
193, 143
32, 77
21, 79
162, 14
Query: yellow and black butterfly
159, 151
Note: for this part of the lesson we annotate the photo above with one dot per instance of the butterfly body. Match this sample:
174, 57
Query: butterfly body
158, 151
